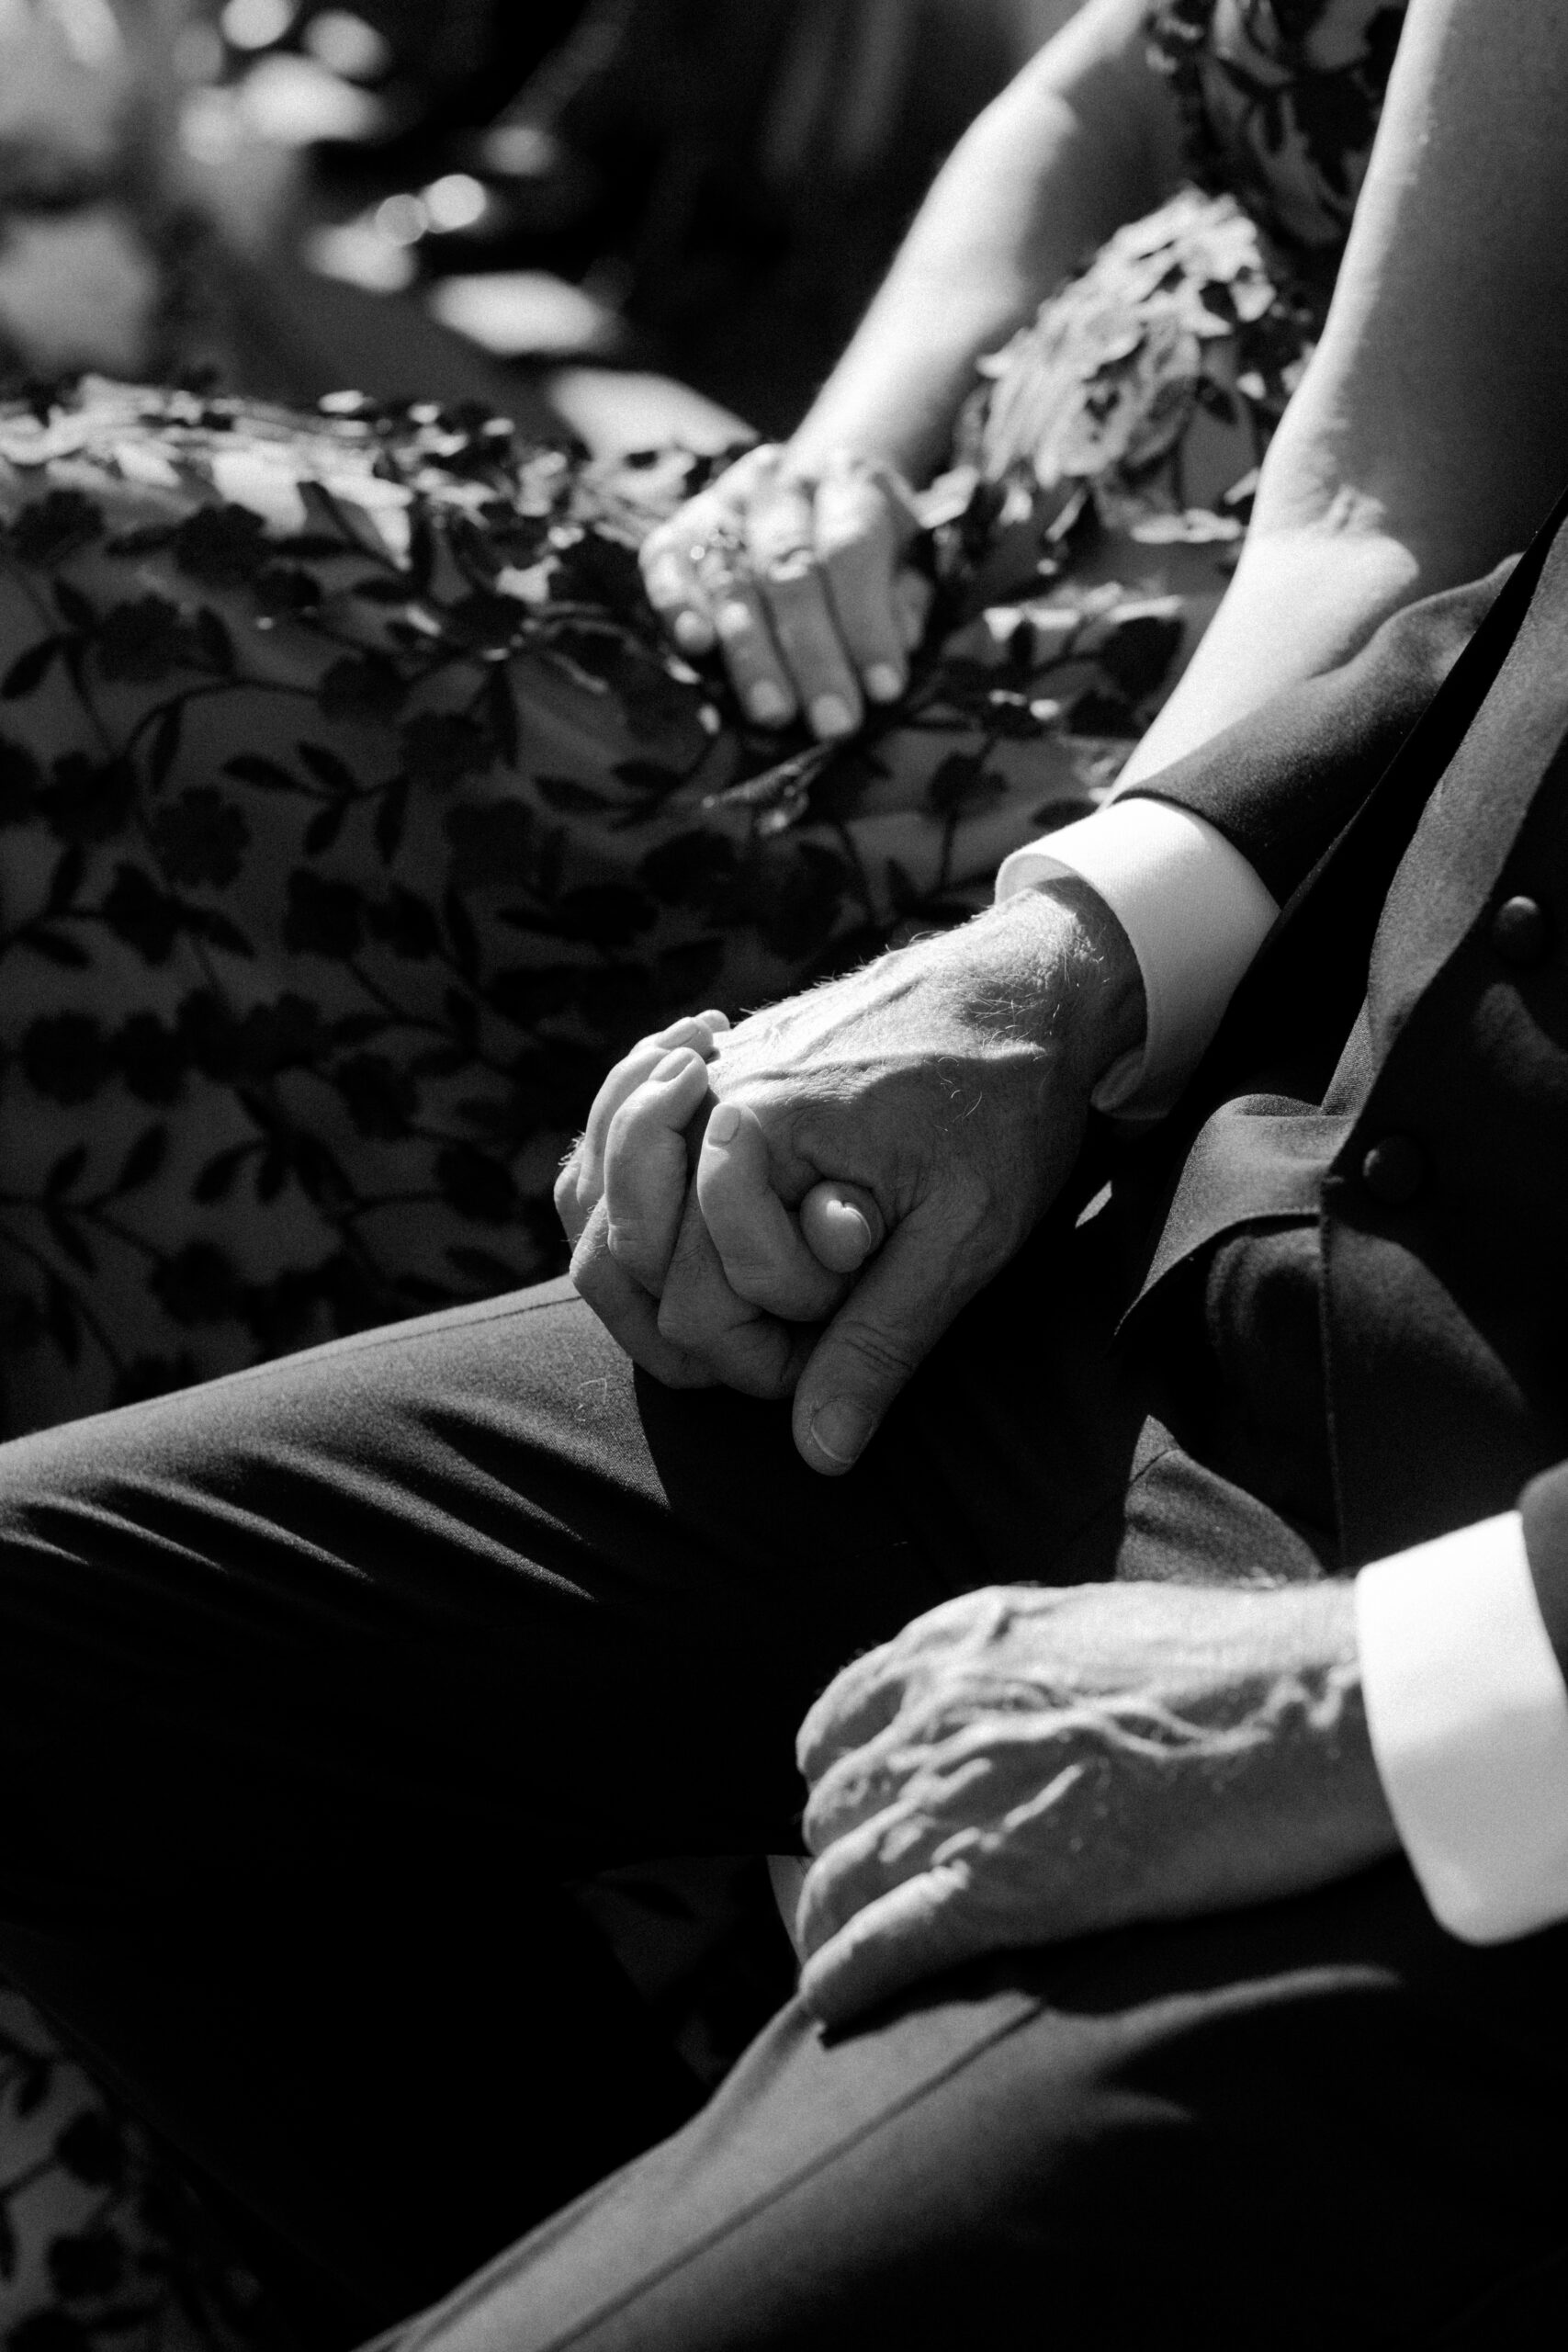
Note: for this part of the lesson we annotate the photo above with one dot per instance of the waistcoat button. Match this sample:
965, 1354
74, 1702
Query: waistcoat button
1394, 1171
1521, 932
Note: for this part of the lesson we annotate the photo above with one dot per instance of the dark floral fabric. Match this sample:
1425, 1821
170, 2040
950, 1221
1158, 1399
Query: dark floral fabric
100, 2243
1139, 401
354, 813
1280, 102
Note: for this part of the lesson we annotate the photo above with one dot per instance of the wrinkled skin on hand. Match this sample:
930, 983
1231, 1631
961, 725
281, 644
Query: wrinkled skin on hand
1024, 1765
796, 574
881, 1145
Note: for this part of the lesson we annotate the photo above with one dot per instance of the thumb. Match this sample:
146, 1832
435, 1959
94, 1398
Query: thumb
885, 1329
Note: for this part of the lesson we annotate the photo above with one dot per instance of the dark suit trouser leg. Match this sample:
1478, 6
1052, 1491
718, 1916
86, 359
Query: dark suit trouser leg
1300, 2127
315, 1684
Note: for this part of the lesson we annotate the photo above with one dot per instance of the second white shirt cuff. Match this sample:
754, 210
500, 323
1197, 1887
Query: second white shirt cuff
1195, 913
1468, 1722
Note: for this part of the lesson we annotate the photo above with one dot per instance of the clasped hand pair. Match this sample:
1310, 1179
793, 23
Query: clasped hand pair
797, 1208
800, 1206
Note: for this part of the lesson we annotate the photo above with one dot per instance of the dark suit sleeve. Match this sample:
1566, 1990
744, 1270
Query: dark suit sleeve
1283, 783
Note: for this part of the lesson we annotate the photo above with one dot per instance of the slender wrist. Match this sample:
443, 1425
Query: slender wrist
908, 429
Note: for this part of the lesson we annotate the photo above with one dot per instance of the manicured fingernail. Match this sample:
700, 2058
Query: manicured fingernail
841, 1429
883, 683
733, 620
831, 715
692, 633
768, 702
725, 1123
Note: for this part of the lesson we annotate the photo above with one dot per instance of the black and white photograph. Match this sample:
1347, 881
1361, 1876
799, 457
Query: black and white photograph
784, 1175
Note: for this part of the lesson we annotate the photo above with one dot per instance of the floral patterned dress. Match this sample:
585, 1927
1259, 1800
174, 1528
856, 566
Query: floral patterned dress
354, 814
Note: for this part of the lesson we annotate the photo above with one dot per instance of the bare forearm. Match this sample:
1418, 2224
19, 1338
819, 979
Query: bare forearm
1425, 442
1302, 603
1082, 140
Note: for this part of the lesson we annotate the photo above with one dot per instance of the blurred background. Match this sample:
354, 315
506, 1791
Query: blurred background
419, 196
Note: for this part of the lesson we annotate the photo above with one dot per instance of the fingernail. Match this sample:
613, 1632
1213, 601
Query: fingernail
841, 1429
725, 1123
768, 702
674, 1064
733, 620
883, 683
692, 633
831, 715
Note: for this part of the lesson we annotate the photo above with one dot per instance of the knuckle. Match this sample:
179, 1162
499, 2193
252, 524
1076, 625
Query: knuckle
678, 1322
884, 1354
857, 542
737, 623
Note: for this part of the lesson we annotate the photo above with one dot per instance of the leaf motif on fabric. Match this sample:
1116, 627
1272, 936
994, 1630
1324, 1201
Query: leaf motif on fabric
201, 837
51, 529
142, 640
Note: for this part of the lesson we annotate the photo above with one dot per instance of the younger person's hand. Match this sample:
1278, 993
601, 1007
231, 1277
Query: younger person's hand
798, 576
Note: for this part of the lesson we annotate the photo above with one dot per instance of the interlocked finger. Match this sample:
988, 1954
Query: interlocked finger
764, 1255
645, 1169
706, 1322
581, 1184
841, 1224
627, 1312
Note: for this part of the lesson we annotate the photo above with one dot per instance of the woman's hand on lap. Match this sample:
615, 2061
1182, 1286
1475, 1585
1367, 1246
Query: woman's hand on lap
797, 575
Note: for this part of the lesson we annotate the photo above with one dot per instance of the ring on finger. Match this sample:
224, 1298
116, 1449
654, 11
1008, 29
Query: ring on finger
782, 567
721, 545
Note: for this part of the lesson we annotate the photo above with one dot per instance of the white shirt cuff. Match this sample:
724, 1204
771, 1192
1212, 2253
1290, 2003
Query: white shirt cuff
1469, 1721
1195, 913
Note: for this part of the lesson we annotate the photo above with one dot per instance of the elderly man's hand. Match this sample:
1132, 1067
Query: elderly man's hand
1022, 1765
880, 1147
